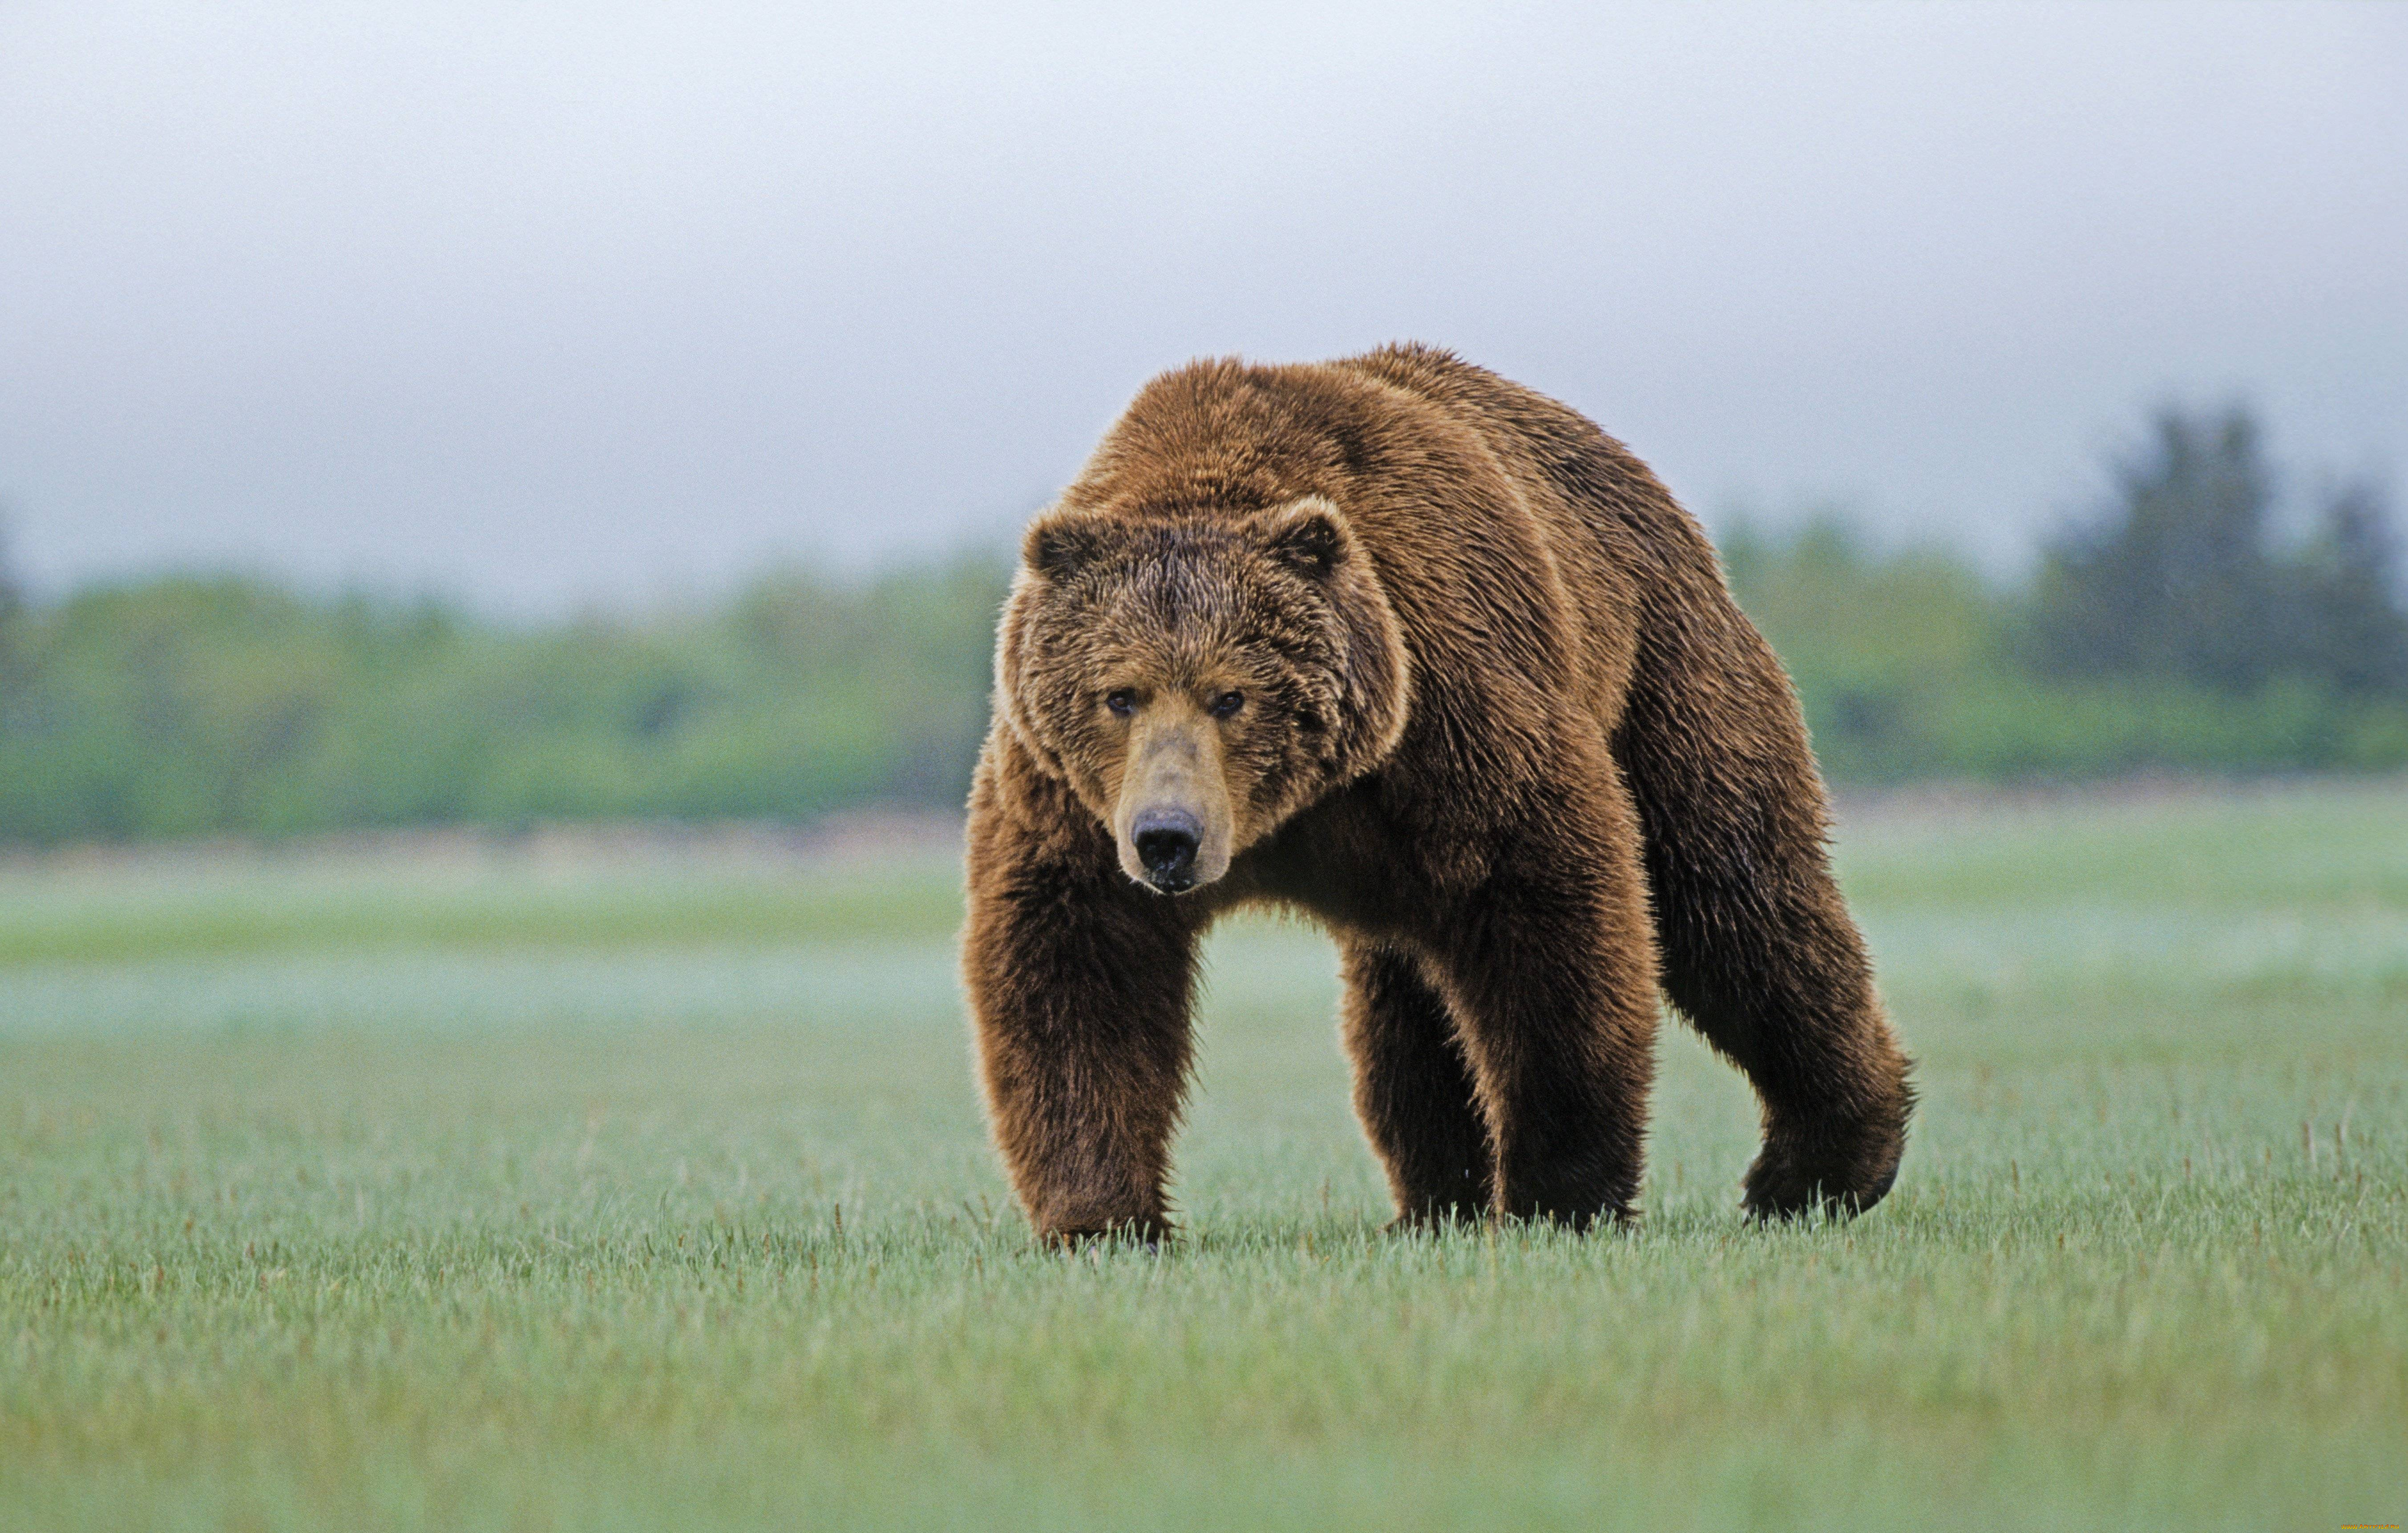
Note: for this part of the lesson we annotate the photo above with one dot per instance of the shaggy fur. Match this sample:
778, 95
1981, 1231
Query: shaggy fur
1426, 656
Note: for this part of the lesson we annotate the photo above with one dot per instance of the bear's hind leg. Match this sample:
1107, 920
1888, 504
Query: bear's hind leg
1414, 1089
1550, 969
1777, 980
1758, 951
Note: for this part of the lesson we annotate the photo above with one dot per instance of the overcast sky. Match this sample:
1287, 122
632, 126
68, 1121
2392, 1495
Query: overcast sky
551, 303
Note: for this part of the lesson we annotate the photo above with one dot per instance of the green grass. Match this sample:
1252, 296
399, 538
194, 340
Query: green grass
346, 1193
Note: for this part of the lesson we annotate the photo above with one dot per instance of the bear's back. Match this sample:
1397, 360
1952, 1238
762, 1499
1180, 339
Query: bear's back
1567, 466
1628, 555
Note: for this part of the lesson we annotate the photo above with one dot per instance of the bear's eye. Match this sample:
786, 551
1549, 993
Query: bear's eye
1122, 702
1228, 703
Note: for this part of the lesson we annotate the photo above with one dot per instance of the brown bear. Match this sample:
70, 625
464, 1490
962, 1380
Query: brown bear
1428, 658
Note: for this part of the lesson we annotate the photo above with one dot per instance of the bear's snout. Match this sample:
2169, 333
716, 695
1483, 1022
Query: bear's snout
1174, 819
1166, 839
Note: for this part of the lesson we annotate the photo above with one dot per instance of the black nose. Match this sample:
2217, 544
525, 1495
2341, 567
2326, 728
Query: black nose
1165, 844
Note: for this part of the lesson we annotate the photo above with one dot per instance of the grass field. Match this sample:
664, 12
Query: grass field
355, 1192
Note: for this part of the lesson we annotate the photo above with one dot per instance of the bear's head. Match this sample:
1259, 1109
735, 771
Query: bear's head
1199, 678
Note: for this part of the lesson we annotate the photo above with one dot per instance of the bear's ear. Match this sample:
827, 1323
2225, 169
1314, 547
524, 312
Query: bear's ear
1306, 536
1058, 544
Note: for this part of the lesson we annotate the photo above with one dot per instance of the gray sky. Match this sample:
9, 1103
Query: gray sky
546, 304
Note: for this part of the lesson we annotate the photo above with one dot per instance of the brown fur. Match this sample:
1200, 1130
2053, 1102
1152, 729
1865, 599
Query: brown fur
1496, 724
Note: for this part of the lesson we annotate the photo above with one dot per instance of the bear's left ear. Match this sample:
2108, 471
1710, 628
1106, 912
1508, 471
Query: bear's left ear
1306, 536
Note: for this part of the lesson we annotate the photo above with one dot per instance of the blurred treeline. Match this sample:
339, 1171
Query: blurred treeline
189, 705
2181, 627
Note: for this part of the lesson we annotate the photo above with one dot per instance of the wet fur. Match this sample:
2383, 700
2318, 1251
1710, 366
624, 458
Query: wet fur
1517, 749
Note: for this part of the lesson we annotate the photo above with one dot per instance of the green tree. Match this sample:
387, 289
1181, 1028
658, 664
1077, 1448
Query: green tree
2174, 579
12, 610
2179, 579
2348, 626
16, 640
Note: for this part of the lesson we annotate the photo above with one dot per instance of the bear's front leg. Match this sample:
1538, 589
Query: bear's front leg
1080, 985
1550, 968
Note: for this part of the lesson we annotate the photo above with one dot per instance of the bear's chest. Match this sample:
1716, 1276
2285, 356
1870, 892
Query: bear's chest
1350, 861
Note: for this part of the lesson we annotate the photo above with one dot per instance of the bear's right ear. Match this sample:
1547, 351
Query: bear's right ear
1306, 536
1057, 544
